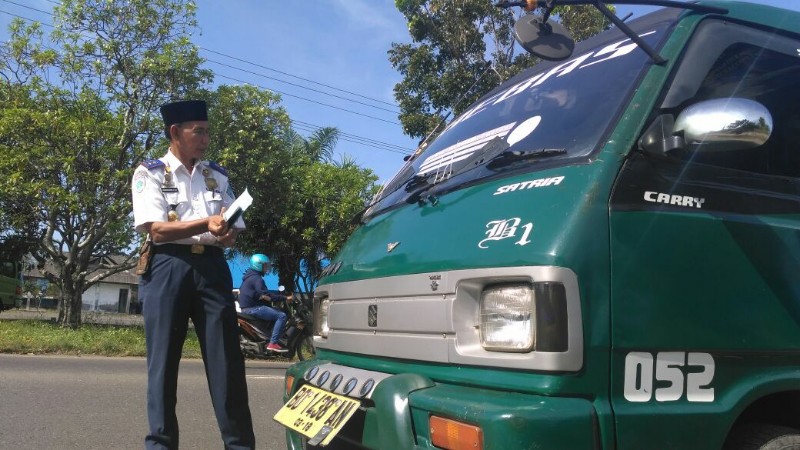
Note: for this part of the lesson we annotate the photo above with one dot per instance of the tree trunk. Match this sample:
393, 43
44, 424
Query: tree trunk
69, 308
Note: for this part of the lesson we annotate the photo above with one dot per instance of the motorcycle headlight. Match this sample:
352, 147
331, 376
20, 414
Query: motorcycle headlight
321, 317
508, 318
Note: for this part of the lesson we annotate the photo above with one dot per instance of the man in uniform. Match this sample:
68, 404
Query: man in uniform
179, 200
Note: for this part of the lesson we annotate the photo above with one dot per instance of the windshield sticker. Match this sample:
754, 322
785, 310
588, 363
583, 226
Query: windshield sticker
463, 149
667, 373
539, 182
608, 53
523, 130
672, 199
615, 50
498, 230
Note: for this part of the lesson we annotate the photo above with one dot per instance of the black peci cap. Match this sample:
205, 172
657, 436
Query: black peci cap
184, 111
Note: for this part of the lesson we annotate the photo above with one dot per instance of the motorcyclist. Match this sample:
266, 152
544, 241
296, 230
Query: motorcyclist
254, 299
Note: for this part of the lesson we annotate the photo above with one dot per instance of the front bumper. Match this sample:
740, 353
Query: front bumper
396, 416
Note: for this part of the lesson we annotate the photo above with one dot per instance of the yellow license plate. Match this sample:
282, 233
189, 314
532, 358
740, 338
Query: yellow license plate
316, 413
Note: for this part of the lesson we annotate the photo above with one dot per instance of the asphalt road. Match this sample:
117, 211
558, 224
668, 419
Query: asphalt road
61, 402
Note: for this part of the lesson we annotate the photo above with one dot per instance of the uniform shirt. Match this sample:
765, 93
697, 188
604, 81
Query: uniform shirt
188, 194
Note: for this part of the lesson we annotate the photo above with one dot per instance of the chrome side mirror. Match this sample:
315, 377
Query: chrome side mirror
724, 124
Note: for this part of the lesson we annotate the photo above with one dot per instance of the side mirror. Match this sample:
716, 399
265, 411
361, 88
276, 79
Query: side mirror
543, 38
724, 124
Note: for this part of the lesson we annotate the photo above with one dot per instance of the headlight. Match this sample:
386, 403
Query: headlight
523, 317
508, 318
321, 317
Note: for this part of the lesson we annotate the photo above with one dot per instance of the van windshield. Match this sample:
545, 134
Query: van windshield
555, 112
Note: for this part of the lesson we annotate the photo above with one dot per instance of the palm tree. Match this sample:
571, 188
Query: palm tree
319, 146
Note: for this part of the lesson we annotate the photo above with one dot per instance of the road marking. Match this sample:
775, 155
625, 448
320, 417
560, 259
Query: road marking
265, 377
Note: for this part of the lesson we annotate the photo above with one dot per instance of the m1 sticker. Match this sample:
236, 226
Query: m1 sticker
539, 182
498, 230
678, 375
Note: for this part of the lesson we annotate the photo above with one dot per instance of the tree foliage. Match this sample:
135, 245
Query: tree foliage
302, 201
78, 112
461, 50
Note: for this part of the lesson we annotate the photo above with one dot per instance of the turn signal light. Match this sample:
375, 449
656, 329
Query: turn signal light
289, 384
451, 435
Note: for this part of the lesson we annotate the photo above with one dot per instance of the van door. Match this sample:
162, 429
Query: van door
706, 254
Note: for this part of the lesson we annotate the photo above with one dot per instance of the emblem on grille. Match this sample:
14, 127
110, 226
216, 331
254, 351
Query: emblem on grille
435, 281
372, 316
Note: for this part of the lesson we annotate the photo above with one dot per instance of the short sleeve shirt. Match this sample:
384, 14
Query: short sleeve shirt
165, 184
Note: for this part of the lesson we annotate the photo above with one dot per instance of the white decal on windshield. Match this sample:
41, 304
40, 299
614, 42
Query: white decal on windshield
505, 229
462, 150
615, 50
612, 51
523, 130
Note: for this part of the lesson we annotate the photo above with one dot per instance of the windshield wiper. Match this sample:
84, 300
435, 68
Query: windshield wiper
422, 182
510, 157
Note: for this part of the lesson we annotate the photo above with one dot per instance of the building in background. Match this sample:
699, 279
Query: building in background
117, 293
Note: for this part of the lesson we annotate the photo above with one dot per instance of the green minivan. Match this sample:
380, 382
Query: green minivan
602, 253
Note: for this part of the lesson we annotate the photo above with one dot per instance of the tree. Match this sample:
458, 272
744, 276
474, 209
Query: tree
302, 202
463, 48
76, 118
327, 197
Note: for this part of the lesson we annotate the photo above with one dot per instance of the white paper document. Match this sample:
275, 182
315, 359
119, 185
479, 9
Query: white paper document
239, 206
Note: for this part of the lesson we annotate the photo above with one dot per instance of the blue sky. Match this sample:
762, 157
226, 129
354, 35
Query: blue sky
306, 50
327, 58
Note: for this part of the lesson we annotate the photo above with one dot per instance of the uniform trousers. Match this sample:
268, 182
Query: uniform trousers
181, 285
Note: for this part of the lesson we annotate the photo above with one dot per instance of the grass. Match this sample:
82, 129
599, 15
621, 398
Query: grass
40, 337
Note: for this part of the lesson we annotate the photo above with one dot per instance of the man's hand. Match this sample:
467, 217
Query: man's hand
218, 226
229, 238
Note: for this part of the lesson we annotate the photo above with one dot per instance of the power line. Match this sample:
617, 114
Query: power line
298, 77
304, 126
361, 139
299, 86
25, 18
29, 7
353, 141
316, 83
309, 100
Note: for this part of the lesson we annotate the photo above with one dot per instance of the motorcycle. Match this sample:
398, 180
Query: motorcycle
254, 333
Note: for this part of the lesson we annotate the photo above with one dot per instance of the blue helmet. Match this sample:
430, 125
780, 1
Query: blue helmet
257, 262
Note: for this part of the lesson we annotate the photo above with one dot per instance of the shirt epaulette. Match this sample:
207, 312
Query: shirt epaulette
151, 164
218, 168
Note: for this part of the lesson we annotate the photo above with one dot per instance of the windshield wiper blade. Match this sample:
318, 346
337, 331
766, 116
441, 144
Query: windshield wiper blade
510, 157
420, 183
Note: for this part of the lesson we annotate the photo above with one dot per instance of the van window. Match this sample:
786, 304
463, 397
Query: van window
770, 78
727, 60
8, 269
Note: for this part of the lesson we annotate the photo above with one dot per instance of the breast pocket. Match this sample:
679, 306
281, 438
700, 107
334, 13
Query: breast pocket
213, 202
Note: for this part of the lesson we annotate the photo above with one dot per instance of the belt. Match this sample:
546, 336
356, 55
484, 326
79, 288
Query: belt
185, 249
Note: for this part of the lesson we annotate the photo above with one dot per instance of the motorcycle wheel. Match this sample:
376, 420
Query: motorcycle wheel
305, 348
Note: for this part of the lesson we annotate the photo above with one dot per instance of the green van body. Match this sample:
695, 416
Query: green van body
686, 287
10, 285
